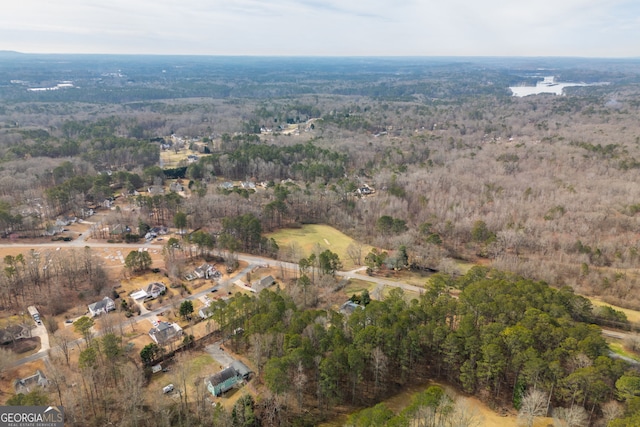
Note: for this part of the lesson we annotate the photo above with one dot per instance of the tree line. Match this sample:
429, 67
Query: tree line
502, 338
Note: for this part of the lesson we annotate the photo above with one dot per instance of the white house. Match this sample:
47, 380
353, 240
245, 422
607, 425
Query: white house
165, 333
206, 312
102, 307
155, 289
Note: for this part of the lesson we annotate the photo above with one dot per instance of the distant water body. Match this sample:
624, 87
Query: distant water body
548, 85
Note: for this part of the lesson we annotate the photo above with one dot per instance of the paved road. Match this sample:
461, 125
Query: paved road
222, 286
252, 261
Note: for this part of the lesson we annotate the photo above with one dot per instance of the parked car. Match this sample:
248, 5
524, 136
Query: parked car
167, 389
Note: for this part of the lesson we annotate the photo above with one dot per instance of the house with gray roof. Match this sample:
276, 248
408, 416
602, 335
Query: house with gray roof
103, 306
263, 283
28, 384
165, 333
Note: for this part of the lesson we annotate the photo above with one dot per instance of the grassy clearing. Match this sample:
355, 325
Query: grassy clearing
356, 286
618, 348
484, 416
306, 239
203, 364
414, 278
632, 315
171, 159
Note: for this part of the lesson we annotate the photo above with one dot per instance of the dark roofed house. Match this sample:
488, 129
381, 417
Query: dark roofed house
14, 332
241, 369
223, 381
349, 307
102, 307
263, 283
165, 333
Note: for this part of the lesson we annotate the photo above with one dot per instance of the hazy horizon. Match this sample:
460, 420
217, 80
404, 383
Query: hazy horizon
324, 28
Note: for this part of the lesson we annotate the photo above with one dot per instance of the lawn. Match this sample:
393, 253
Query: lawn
617, 347
171, 159
632, 315
356, 286
301, 242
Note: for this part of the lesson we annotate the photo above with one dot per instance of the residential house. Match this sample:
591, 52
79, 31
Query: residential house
103, 306
242, 369
28, 384
155, 289
161, 230
65, 220
165, 333
206, 311
205, 271
155, 190
119, 229
226, 379
151, 291
223, 381
349, 307
263, 283
13, 333
52, 230
176, 187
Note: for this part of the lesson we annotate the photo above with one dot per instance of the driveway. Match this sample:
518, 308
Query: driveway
220, 356
41, 331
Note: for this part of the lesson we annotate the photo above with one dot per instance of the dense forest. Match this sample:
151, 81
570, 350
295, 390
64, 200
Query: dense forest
430, 161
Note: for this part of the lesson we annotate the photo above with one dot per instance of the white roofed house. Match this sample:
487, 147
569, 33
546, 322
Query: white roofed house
103, 306
206, 311
155, 289
165, 333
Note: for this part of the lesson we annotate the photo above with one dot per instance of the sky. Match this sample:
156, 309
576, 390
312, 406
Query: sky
577, 28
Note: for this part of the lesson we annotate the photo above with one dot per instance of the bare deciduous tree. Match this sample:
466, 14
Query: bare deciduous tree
63, 339
7, 357
575, 416
611, 410
534, 404
354, 252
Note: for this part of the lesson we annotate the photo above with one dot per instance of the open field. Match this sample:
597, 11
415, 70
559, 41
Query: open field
309, 237
617, 346
484, 415
171, 159
356, 286
632, 315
